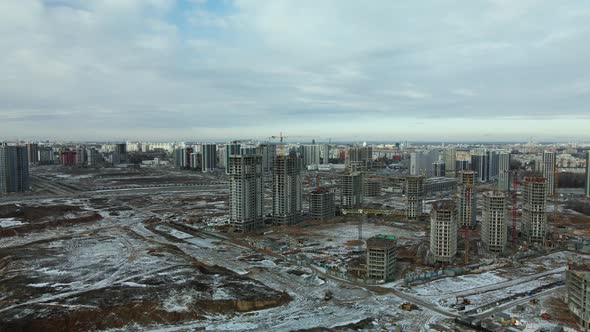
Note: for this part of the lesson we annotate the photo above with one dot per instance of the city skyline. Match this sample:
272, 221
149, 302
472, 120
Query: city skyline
164, 70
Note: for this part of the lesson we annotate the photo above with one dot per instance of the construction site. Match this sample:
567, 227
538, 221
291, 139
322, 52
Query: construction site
150, 249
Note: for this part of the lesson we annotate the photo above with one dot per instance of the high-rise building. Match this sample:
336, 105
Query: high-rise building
480, 164
443, 231
230, 149
548, 169
414, 196
321, 204
287, 190
208, 157
121, 153
462, 165
504, 171
493, 164
311, 154
494, 225
268, 153
351, 190
33, 153
245, 192
466, 199
449, 158
46, 156
14, 169
534, 215
325, 154
587, 186
439, 168
577, 280
381, 257
91, 156
81, 155
68, 157
359, 158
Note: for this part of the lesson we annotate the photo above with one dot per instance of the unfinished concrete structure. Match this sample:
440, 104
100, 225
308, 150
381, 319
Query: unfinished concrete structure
372, 187
351, 190
443, 231
466, 199
548, 169
359, 158
577, 297
381, 257
414, 196
534, 206
321, 204
245, 192
286, 190
494, 225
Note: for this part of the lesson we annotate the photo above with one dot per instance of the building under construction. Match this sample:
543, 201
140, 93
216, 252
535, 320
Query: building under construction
494, 225
381, 257
359, 158
321, 204
245, 192
372, 187
414, 196
466, 199
351, 190
577, 279
443, 231
534, 215
286, 190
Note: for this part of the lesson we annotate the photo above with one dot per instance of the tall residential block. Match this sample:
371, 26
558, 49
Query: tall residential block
504, 171
449, 157
577, 297
351, 190
268, 153
466, 199
33, 153
443, 231
321, 204
325, 154
311, 154
359, 158
587, 185
14, 169
421, 162
121, 153
287, 190
481, 165
230, 149
439, 168
245, 192
208, 157
381, 255
534, 206
548, 169
414, 196
494, 225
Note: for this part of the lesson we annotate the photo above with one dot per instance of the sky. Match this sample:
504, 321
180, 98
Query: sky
359, 70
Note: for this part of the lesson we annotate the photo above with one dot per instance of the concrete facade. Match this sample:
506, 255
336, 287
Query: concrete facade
548, 169
208, 157
534, 207
577, 280
14, 169
504, 171
443, 231
321, 204
287, 190
245, 192
381, 255
587, 184
414, 196
494, 225
466, 199
351, 190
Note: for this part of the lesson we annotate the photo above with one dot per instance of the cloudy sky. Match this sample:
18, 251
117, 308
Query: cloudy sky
360, 70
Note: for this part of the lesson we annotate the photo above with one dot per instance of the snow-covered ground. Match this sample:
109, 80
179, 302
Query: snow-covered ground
9, 222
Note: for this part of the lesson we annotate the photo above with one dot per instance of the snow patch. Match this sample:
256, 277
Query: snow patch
9, 222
